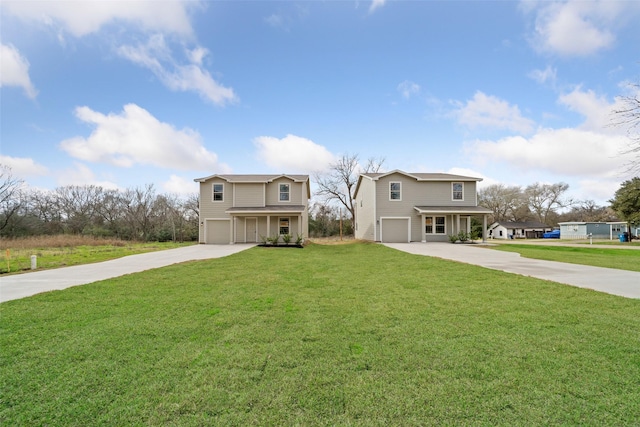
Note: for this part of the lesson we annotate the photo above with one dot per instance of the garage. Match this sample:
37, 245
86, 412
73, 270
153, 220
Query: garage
395, 230
218, 231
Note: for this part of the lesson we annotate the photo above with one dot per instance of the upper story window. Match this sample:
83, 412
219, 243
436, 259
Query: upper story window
395, 191
457, 191
218, 192
284, 192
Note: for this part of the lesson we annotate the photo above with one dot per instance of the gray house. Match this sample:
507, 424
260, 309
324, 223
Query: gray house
518, 230
596, 230
242, 208
425, 207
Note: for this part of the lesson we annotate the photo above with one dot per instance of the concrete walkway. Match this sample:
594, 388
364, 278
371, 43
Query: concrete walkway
23, 285
617, 282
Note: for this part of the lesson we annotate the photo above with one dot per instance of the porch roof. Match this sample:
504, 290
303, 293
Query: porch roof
266, 210
463, 210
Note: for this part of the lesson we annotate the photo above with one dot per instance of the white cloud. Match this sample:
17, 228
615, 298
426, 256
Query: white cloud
23, 167
548, 75
376, 4
180, 185
292, 154
492, 112
486, 181
596, 109
14, 70
81, 18
136, 137
575, 28
561, 151
408, 88
80, 174
157, 57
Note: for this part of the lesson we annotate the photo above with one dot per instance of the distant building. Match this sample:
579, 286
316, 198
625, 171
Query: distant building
596, 230
517, 230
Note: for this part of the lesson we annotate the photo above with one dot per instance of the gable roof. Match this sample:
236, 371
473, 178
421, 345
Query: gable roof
418, 176
258, 179
253, 178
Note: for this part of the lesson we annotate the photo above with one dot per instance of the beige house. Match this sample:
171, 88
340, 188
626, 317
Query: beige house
243, 208
424, 207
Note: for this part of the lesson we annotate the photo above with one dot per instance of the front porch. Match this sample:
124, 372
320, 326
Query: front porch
439, 222
253, 224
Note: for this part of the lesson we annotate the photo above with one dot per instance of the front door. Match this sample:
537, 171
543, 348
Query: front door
251, 235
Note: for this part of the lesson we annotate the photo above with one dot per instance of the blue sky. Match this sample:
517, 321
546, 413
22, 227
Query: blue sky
123, 94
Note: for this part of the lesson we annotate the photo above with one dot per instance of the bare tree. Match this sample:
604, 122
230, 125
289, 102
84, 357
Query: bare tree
628, 116
504, 201
11, 200
545, 199
339, 183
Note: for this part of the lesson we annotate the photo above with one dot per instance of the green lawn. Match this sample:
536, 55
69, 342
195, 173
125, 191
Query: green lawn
354, 334
622, 259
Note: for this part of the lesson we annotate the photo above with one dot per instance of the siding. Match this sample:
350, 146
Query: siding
296, 191
210, 209
248, 195
365, 210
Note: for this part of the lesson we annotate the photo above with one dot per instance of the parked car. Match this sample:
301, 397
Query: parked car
555, 234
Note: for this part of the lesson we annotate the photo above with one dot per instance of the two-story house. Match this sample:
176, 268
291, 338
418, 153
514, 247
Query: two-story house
243, 208
425, 207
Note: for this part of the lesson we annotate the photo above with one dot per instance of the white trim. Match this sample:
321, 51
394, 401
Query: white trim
288, 218
408, 218
288, 192
375, 210
213, 186
391, 183
462, 191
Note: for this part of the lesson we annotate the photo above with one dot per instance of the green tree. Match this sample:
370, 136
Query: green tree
626, 202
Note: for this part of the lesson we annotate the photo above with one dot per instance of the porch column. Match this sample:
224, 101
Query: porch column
457, 223
268, 225
484, 228
423, 228
299, 225
468, 225
233, 230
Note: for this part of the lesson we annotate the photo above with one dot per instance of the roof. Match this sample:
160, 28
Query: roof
254, 178
418, 176
522, 224
277, 209
453, 209
423, 176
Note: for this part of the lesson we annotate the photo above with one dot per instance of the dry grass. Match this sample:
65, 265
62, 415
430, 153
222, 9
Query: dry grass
58, 241
333, 240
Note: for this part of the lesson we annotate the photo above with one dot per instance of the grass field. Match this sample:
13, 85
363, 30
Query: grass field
622, 259
64, 251
355, 334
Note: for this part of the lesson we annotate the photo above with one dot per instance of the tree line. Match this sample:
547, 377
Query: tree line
138, 213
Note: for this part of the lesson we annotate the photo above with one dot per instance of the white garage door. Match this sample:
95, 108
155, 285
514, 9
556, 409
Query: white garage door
395, 230
218, 232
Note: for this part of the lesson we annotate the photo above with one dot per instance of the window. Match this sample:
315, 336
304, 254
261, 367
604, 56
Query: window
284, 192
284, 226
395, 191
439, 223
456, 191
218, 192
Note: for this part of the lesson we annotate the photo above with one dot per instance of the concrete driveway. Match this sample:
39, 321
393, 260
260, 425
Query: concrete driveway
27, 284
617, 282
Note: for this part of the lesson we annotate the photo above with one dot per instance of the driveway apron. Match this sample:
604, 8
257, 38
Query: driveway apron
23, 285
617, 282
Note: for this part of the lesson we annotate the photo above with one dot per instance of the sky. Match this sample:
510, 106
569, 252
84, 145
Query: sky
122, 94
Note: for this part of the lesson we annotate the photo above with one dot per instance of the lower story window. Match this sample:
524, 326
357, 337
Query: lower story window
434, 225
284, 226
